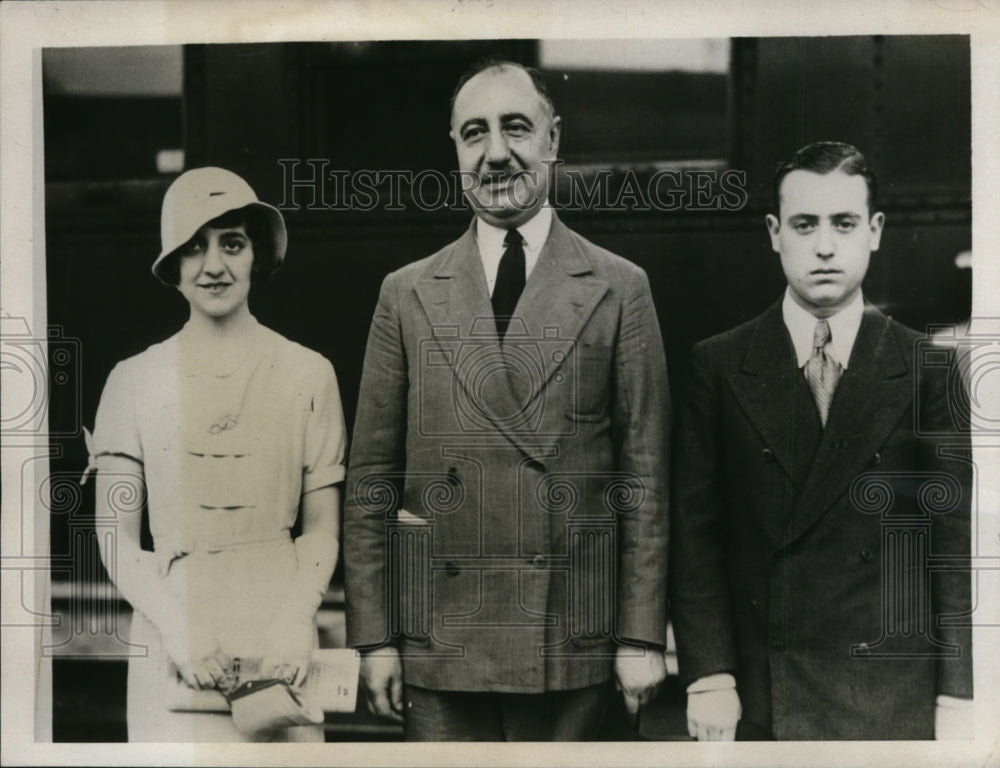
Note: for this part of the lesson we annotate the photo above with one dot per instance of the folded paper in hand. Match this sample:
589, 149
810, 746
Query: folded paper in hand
266, 705
331, 686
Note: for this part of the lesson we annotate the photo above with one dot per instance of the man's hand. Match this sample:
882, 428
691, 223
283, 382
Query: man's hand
638, 675
382, 675
712, 714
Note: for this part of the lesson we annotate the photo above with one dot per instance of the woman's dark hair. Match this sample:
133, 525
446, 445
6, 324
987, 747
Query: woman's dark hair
258, 230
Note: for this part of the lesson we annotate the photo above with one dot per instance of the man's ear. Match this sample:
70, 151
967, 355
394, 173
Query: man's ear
773, 228
875, 225
555, 130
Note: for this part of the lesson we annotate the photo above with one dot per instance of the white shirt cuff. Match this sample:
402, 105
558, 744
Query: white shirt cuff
953, 702
722, 681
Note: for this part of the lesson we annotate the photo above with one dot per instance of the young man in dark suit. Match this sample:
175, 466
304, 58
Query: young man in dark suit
505, 533
807, 499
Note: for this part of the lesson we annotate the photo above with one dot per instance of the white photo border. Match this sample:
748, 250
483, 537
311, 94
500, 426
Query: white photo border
28, 27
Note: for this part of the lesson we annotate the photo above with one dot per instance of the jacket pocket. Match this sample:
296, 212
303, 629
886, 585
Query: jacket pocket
588, 397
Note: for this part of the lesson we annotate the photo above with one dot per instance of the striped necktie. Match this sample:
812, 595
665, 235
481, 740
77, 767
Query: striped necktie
822, 371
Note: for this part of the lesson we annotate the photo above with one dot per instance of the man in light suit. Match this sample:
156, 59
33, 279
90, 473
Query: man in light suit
506, 514
809, 502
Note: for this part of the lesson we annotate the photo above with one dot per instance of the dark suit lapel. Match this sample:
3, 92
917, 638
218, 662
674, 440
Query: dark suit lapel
558, 299
455, 298
871, 397
768, 391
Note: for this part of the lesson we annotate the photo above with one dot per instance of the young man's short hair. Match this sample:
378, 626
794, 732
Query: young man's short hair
825, 157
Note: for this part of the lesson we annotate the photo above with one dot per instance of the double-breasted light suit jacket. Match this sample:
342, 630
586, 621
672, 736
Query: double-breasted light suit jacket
506, 507
826, 568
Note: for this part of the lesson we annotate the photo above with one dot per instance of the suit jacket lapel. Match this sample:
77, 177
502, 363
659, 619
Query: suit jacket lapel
768, 390
455, 298
454, 294
871, 397
558, 299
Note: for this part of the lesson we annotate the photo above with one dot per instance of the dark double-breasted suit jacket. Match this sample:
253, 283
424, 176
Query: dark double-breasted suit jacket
819, 565
506, 510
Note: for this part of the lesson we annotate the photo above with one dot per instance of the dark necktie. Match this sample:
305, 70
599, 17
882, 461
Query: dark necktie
510, 280
822, 371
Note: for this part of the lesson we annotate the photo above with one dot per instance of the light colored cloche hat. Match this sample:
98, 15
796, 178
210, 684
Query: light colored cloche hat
202, 194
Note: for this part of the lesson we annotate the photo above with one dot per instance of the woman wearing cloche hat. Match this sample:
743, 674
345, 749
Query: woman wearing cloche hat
227, 430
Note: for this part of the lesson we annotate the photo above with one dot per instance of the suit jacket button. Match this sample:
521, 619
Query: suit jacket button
777, 645
451, 568
538, 561
866, 555
766, 456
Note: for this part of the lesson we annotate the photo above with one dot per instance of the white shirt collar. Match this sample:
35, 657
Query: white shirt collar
801, 325
491, 246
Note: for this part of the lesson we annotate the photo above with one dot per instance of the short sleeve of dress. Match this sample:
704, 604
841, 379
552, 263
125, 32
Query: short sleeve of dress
116, 432
326, 439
